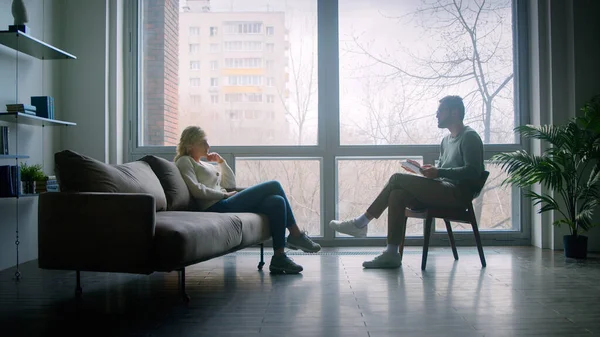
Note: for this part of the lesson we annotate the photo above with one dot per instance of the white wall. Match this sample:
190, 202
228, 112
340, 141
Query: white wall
84, 32
36, 78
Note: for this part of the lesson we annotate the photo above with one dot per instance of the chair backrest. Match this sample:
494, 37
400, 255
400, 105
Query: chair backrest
477, 184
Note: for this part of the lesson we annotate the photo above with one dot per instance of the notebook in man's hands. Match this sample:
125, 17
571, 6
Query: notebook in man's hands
412, 167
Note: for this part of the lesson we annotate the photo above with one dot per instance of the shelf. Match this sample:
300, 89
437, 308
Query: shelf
13, 156
29, 45
28, 119
22, 196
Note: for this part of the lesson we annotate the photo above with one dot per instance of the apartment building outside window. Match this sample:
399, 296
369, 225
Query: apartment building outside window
194, 31
243, 27
195, 81
194, 65
254, 62
243, 80
243, 46
194, 48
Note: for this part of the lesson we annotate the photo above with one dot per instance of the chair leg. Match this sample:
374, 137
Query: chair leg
184, 294
262, 257
477, 238
78, 291
451, 236
428, 224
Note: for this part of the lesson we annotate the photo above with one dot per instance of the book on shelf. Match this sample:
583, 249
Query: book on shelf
24, 108
4, 140
44, 105
10, 181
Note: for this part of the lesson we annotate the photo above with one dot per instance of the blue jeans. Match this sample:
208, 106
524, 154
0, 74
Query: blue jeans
267, 198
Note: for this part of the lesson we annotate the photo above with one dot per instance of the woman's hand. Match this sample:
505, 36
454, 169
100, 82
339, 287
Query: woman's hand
213, 156
229, 194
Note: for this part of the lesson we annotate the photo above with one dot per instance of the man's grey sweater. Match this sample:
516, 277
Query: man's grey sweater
461, 157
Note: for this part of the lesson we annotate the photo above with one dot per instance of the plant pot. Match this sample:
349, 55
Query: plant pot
575, 246
28, 187
40, 186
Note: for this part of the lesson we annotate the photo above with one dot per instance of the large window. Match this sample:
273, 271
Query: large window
327, 96
397, 58
291, 27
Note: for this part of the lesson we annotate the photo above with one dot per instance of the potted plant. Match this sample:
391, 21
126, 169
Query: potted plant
569, 167
29, 175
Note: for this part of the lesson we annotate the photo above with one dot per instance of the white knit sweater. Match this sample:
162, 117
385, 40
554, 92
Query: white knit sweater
206, 181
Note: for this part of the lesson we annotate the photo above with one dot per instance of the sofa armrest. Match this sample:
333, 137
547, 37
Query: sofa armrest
110, 232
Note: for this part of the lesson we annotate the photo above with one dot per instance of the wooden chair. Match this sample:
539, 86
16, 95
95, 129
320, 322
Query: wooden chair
464, 215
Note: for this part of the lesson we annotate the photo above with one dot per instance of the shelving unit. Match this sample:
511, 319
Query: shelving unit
23, 118
26, 44
22, 196
13, 156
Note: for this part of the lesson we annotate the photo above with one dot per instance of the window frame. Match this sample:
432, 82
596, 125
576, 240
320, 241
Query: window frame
328, 147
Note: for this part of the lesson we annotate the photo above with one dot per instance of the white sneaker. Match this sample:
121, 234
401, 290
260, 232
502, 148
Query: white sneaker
385, 260
349, 227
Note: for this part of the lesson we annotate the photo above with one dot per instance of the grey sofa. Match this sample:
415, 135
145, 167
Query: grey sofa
137, 217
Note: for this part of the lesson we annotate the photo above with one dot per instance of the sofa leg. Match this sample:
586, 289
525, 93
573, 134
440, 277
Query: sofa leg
186, 297
262, 257
78, 291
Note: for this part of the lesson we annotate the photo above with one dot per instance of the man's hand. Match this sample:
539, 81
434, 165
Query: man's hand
213, 156
229, 194
429, 171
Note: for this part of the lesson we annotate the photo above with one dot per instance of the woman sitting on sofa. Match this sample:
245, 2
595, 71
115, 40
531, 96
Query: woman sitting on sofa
207, 183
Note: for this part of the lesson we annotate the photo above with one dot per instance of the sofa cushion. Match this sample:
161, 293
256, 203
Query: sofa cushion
184, 238
78, 173
255, 228
176, 191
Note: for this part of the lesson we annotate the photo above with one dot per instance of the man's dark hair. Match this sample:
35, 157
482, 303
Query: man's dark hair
454, 103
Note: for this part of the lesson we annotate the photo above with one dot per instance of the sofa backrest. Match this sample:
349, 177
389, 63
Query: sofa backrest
78, 173
177, 193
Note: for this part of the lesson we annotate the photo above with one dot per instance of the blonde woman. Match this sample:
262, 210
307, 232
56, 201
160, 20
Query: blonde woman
208, 184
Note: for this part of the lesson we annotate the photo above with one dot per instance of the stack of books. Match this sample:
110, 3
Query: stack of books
10, 178
3, 139
23, 108
52, 184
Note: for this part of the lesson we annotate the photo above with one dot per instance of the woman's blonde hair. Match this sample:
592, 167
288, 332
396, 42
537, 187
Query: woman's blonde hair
190, 136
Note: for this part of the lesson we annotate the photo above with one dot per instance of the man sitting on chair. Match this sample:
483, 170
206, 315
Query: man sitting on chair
461, 159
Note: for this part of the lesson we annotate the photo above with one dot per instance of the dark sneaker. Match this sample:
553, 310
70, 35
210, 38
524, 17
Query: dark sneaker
282, 264
302, 242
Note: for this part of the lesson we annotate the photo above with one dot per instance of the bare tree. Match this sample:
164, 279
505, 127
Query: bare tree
469, 52
302, 72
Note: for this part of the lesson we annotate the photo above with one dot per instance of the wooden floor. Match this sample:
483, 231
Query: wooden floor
523, 291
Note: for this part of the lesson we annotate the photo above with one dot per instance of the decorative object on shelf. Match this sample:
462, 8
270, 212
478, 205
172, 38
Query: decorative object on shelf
19, 13
44, 106
569, 168
30, 174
